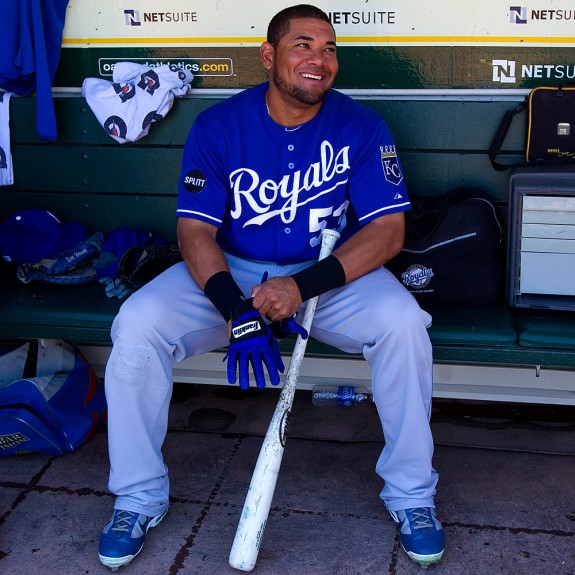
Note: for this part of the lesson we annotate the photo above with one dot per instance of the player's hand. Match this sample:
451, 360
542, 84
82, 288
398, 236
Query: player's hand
276, 298
252, 342
283, 327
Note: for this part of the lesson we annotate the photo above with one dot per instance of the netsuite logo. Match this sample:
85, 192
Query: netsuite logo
518, 14
132, 18
521, 14
507, 71
504, 71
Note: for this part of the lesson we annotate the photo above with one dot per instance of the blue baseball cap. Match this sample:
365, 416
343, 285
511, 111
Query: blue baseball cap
32, 235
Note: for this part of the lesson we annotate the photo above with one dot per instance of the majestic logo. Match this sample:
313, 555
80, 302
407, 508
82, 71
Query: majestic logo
125, 91
115, 126
149, 82
518, 14
391, 169
259, 196
417, 276
3, 159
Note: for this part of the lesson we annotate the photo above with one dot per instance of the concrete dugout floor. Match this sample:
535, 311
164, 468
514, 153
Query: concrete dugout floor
506, 494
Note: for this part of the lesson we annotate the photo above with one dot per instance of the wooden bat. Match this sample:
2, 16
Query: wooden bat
250, 531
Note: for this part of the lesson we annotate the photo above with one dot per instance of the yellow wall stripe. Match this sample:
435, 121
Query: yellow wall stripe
342, 40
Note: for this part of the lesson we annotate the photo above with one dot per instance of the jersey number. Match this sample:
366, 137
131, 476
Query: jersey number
318, 220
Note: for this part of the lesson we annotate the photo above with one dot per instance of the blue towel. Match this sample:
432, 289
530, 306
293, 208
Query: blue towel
6, 171
30, 44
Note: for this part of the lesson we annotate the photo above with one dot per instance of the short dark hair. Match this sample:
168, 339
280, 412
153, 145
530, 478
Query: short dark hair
279, 25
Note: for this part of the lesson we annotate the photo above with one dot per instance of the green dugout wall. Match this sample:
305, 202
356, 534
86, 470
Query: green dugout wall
404, 45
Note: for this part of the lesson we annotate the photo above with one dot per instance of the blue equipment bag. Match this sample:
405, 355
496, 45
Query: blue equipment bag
57, 408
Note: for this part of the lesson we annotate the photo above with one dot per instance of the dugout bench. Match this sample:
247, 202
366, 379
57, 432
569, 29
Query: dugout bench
497, 353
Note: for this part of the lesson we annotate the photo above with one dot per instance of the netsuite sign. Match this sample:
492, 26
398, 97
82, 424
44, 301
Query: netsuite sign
522, 15
136, 18
509, 71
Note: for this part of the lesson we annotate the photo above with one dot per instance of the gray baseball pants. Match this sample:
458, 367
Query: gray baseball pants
170, 319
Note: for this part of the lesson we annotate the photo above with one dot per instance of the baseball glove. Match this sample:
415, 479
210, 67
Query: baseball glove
140, 264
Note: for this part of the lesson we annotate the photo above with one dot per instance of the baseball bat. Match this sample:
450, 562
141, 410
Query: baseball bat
250, 531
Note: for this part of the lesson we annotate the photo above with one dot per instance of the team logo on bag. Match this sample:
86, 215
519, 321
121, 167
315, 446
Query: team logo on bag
151, 117
417, 276
391, 169
12, 440
115, 126
177, 70
125, 91
149, 82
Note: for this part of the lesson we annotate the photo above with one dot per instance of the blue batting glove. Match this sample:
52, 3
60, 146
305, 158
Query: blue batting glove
253, 343
284, 327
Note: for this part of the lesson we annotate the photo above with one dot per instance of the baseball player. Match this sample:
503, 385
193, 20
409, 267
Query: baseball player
262, 173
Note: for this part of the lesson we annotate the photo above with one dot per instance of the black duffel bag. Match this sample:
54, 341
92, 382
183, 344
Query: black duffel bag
453, 253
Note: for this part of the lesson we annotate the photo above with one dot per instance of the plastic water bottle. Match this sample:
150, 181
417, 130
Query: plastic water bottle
342, 395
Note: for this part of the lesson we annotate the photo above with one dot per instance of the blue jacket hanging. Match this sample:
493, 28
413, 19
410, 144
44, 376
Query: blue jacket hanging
30, 45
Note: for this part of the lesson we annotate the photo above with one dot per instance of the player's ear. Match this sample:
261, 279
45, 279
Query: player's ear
267, 55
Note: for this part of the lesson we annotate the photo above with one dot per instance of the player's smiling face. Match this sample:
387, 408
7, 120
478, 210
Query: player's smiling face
304, 64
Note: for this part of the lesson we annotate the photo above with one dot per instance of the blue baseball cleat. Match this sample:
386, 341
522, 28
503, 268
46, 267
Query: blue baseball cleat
422, 536
123, 537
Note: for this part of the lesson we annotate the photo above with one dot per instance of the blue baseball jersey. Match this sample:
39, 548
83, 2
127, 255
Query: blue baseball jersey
271, 189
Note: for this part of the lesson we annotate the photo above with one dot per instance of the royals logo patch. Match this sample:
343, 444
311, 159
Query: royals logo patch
417, 276
391, 169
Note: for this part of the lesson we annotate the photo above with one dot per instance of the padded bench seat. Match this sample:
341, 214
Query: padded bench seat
481, 326
546, 329
81, 313
485, 335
